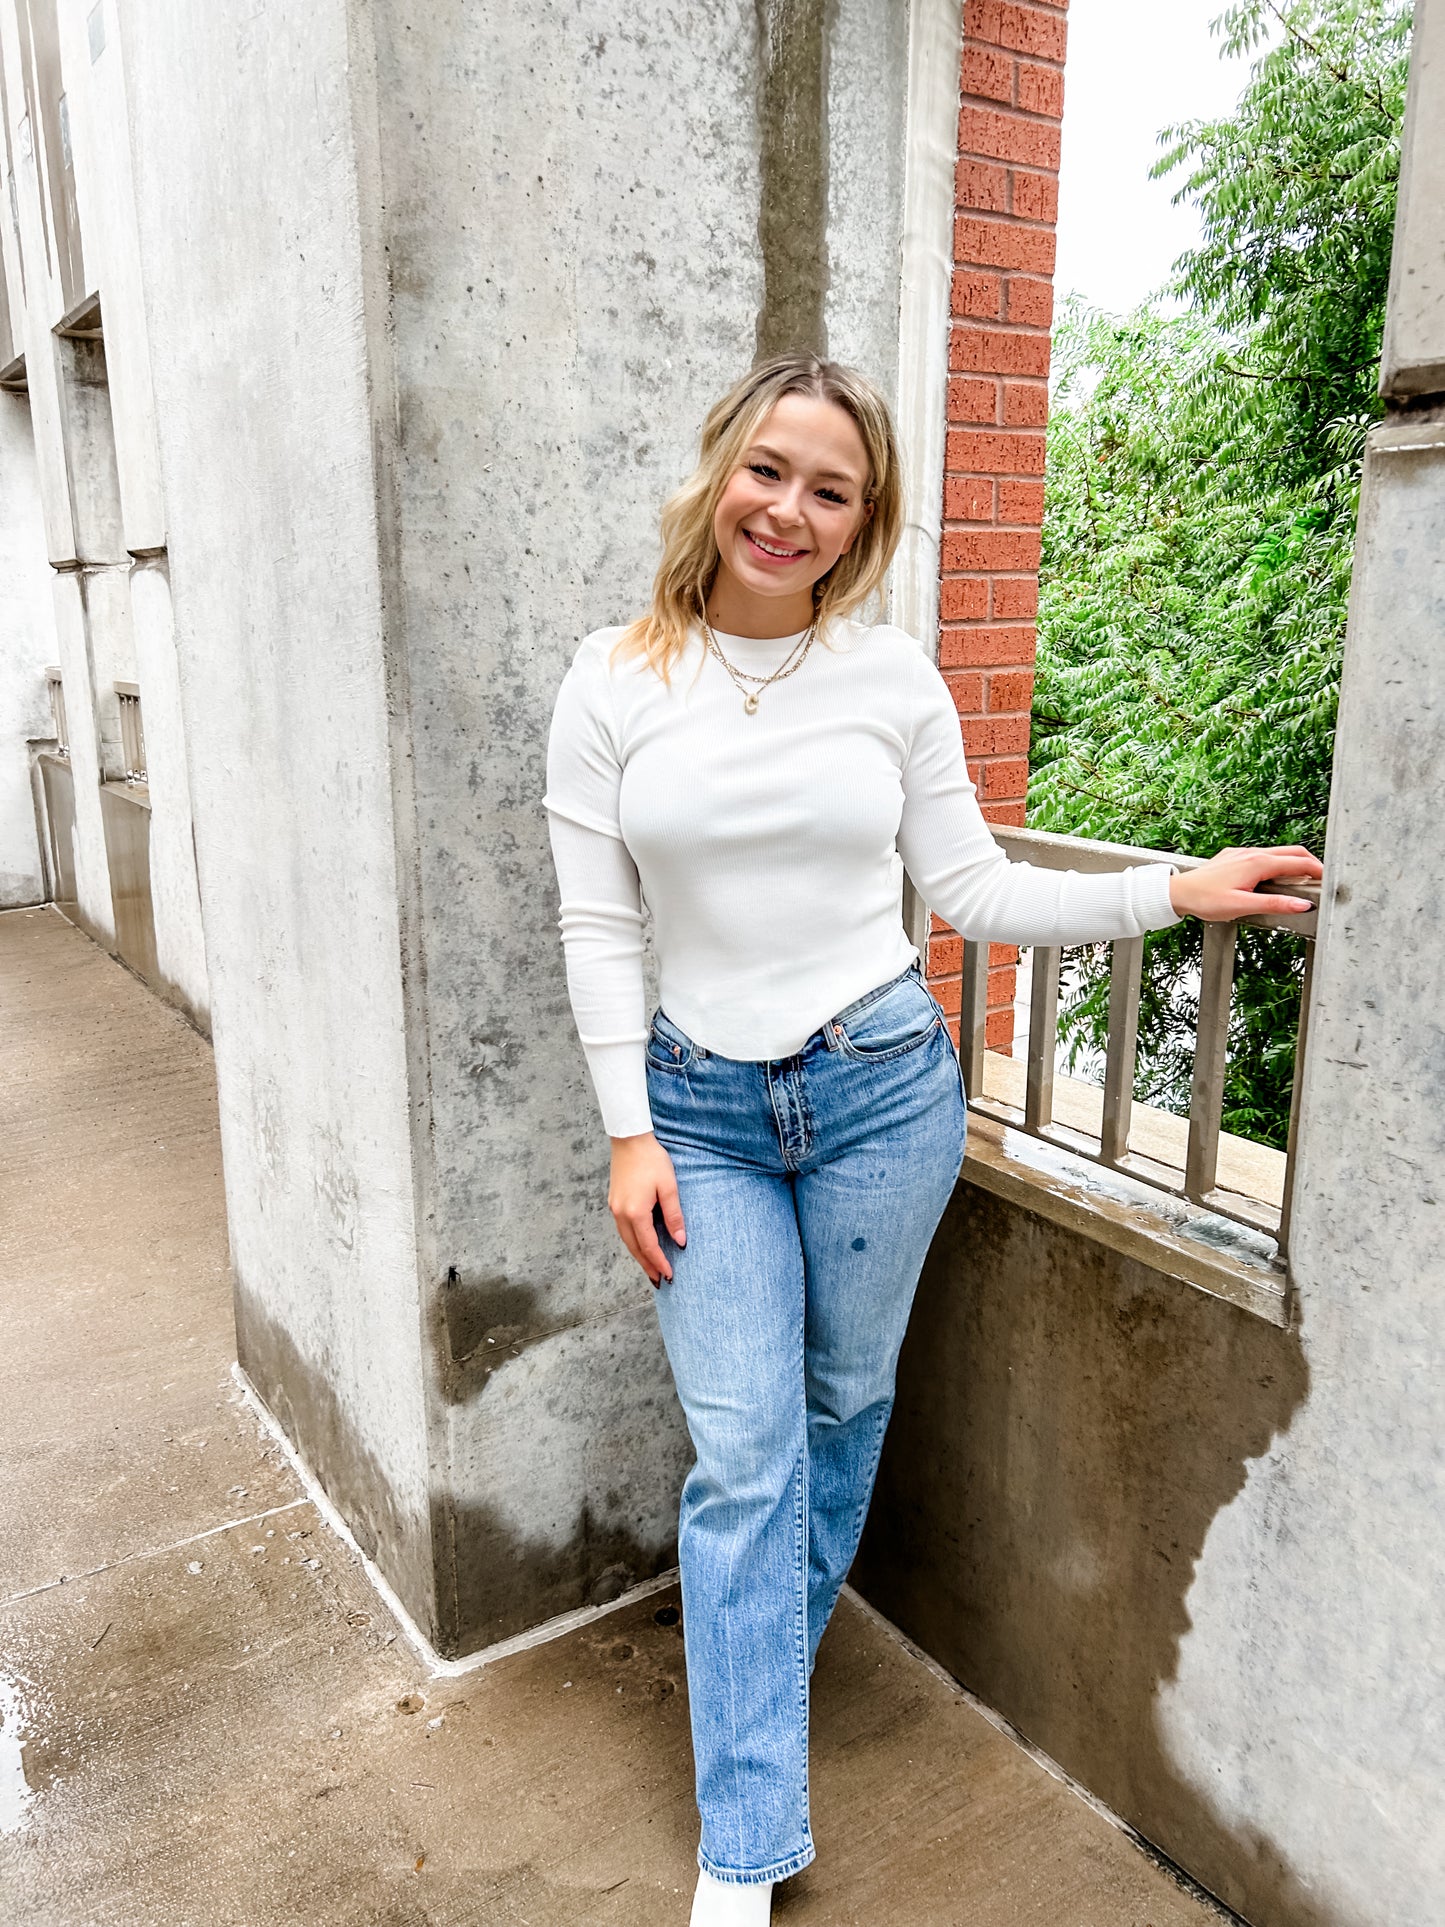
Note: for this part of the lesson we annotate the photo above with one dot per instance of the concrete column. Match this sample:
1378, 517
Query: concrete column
451, 298
1307, 1699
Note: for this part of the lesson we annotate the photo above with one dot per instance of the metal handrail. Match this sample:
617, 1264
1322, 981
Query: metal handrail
1198, 1180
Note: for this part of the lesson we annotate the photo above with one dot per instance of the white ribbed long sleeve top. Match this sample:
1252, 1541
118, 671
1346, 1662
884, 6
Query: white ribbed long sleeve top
770, 848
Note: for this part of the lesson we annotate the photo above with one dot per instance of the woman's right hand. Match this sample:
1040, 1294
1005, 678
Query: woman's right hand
642, 1177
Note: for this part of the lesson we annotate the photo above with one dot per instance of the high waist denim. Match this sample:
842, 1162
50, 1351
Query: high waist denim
811, 1186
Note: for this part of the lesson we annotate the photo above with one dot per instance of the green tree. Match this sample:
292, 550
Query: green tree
1202, 489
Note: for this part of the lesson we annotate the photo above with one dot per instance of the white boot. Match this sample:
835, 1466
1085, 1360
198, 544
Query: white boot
731, 1903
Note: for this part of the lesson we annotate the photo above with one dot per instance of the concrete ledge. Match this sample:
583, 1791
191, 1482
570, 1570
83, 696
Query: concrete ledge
1172, 1237
137, 794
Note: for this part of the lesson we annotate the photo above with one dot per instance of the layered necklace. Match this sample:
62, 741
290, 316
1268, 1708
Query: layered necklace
792, 662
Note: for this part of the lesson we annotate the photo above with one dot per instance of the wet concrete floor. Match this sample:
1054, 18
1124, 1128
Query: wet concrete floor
207, 1716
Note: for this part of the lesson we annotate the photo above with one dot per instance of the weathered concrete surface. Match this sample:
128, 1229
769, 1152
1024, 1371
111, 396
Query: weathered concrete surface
94, 469
265, 433
1069, 1425
574, 275
1198, 1560
1413, 357
29, 632
483, 274
245, 1748
100, 142
118, 1429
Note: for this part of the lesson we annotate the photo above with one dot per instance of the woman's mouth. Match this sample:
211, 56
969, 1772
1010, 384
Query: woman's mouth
775, 553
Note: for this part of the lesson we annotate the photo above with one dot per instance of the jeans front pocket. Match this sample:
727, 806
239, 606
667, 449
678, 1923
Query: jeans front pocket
668, 1048
901, 1019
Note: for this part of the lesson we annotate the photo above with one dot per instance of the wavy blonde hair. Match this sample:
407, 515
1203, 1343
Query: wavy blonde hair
689, 548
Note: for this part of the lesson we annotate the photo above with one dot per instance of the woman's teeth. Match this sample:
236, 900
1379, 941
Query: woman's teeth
768, 548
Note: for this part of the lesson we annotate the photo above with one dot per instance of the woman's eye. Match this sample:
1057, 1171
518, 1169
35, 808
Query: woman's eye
764, 469
832, 495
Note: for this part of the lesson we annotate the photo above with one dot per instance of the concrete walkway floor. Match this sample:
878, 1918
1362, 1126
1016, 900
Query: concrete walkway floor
210, 1719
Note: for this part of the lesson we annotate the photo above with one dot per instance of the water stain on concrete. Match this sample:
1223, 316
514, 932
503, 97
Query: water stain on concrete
465, 1574
794, 38
301, 1396
498, 1582
483, 1321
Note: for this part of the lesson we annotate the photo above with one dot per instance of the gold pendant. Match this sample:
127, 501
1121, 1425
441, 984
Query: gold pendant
750, 704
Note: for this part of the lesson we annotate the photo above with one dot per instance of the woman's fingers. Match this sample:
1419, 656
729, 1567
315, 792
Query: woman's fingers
643, 1184
1256, 906
626, 1230
667, 1199
1294, 861
649, 1251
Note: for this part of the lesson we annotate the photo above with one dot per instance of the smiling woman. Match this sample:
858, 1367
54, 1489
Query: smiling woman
788, 1128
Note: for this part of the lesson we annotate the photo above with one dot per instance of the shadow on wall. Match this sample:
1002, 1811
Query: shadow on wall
1068, 1425
465, 1574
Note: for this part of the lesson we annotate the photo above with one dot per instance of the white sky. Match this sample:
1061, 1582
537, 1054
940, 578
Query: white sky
1134, 67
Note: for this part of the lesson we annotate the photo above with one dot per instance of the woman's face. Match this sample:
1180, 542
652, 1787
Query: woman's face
796, 503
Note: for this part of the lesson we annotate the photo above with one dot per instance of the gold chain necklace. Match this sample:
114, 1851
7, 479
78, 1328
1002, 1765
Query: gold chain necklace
789, 666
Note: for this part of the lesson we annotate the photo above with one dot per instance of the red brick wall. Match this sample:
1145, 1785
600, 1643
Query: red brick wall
1005, 203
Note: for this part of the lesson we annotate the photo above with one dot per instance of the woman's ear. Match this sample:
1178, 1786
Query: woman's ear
867, 518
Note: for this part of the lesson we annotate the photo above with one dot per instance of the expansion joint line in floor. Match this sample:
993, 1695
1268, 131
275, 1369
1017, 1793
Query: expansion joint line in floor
153, 1552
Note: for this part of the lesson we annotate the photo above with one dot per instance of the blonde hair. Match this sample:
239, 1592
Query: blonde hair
689, 548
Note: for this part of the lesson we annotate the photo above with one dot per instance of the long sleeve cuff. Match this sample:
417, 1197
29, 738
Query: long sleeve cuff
619, 1076
1151, 896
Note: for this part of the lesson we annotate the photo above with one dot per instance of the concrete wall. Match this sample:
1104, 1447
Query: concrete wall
27, 645
105, 199
259, 355
1196, 1559
32, 266
96, 472
577, 267
481, 278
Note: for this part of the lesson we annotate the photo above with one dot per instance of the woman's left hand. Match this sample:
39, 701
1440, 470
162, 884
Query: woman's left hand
1223, 890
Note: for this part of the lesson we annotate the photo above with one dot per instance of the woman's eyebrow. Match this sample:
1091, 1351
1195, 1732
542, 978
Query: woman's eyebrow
823, 474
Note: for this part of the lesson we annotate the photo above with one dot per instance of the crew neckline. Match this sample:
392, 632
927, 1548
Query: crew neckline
759, 642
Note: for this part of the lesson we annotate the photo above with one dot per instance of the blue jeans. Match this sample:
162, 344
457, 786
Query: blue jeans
811, 1186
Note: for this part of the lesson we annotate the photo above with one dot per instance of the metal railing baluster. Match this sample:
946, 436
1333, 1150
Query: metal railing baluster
1126, 969
1301, 1038
1206, 1098
1043, 1038
973, 1017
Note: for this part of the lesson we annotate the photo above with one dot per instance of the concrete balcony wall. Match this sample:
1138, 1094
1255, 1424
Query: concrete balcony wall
96, 470
28, 632
92, 62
